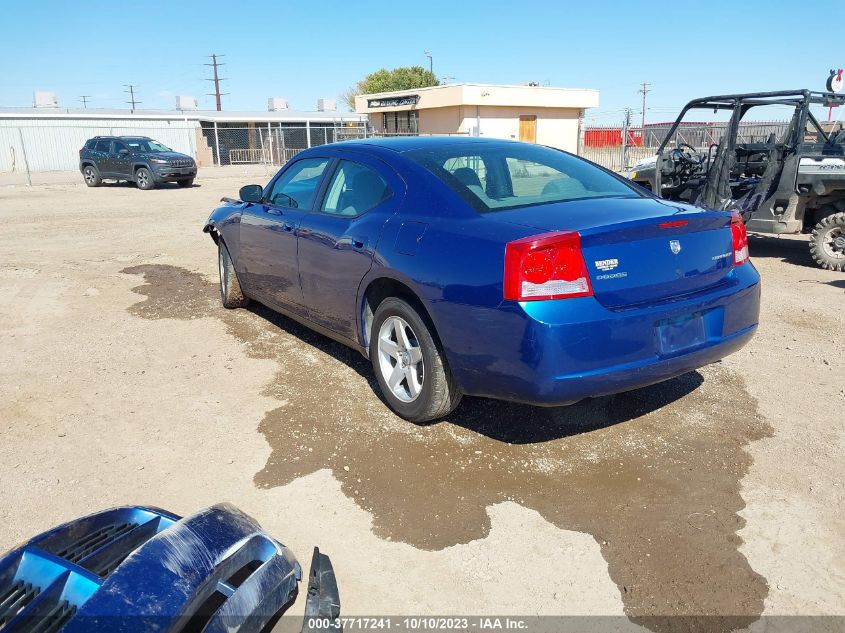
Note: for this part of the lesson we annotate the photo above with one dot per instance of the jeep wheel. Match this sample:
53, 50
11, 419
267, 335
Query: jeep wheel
144, 179
185, 182
828, 242
91, 176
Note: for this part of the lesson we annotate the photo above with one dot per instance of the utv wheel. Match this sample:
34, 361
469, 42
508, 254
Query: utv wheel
91, 176
409, 364
185, 182
230, 288
827, 245
144, 179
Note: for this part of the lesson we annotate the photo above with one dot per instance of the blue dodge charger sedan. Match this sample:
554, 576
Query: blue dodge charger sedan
490, 268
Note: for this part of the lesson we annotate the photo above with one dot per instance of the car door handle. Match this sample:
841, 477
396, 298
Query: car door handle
351, 242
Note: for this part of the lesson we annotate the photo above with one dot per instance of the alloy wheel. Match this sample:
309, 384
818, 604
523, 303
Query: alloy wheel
400, 359
90, 176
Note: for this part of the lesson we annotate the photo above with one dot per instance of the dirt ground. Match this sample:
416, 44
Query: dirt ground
124, 381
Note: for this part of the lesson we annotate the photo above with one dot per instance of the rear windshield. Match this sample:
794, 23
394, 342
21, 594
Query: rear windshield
511, 175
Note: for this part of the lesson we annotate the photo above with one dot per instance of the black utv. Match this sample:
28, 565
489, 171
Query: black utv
791, 184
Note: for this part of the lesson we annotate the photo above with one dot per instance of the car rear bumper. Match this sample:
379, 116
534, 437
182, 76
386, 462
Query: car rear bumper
554, 353
572, 387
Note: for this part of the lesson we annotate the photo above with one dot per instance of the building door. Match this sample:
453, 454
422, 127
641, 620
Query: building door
528, 128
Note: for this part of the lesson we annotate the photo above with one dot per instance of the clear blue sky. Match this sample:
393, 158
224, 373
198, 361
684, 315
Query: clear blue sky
306, 50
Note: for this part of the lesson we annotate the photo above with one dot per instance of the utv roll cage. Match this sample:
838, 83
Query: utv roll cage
739, 104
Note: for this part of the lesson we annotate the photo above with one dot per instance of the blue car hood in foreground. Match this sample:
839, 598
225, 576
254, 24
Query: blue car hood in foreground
134, 569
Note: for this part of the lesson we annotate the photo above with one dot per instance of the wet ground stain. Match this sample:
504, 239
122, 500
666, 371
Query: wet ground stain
653, 475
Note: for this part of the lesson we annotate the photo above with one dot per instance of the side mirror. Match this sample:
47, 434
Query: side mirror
124, 152
251, 193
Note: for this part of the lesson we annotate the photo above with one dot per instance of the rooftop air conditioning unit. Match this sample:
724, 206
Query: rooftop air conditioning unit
326, 105
43, 99
276, 104
186, 103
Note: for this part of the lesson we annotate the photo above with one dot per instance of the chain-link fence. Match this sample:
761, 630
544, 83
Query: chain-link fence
29, 151
268, 143
618, 149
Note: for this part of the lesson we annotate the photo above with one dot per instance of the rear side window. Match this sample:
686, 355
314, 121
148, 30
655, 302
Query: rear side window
504, 176
354, 189
90, 144
103, 146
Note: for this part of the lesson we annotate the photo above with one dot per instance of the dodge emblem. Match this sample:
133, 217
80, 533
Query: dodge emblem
675, 245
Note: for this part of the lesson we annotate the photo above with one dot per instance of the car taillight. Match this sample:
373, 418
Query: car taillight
740, 239
547, 266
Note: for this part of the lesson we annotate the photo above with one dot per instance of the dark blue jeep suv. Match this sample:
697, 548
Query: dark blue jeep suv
138, 159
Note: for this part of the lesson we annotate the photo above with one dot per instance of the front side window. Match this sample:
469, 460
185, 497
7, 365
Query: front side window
117, 147
504, 176
296, 188
354, 189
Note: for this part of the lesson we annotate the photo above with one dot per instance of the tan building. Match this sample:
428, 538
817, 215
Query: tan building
535, 114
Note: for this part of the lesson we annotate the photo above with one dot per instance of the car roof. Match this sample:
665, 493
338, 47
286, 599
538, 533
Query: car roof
125, 138
408, 143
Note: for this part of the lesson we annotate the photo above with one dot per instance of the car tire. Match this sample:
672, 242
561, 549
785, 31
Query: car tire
423, 389
827, 245
144, 179
230, 288
91, 175
185, 182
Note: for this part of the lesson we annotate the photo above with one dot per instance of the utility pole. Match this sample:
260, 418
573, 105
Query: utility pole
626, 126
216, 79
430, 62
131, 93
84, 100
644, 90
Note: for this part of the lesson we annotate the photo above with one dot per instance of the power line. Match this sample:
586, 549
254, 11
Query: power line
131, 92
84, 100
644, 90
216, 79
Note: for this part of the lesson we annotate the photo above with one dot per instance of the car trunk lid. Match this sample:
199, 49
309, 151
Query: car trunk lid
640, 251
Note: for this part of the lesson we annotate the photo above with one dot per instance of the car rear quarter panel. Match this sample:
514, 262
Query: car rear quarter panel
454, 265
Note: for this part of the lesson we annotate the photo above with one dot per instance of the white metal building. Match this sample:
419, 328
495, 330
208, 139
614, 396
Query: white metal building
48, 139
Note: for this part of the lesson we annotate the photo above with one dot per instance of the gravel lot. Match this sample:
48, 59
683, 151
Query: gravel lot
124, 381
